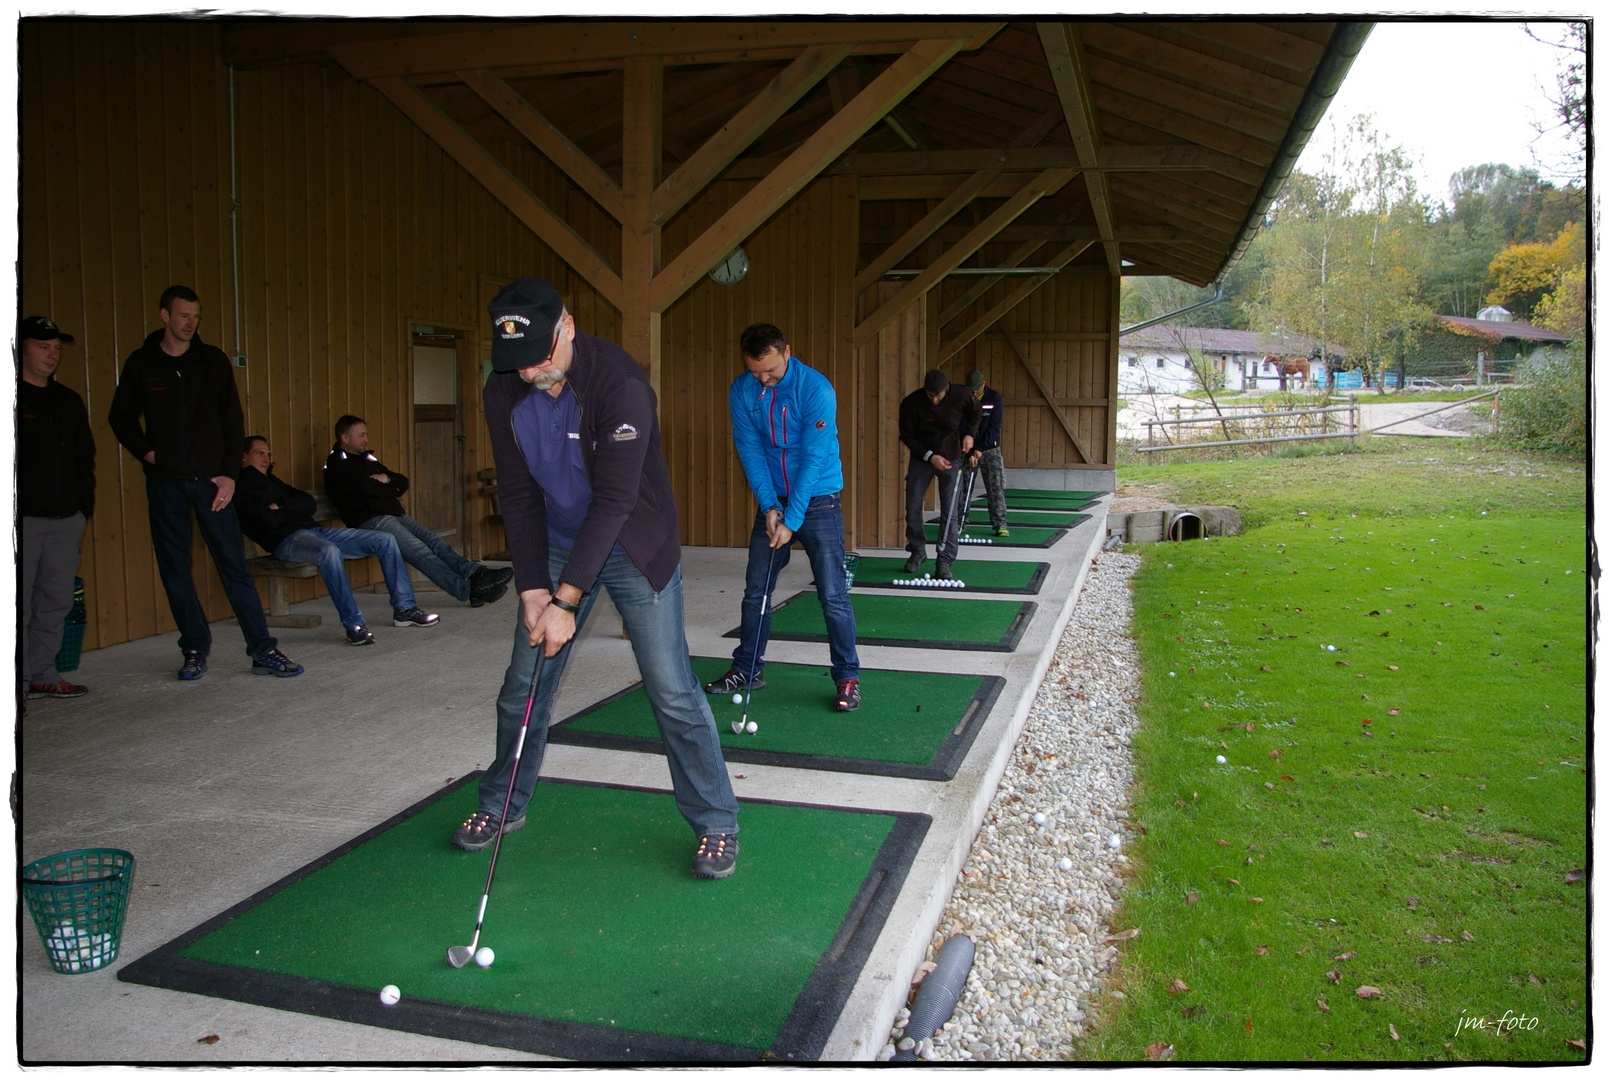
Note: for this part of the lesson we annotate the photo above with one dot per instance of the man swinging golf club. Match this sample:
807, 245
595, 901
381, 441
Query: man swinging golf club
586, 500
785, 427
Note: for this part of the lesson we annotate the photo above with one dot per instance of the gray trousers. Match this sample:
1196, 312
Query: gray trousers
49, 561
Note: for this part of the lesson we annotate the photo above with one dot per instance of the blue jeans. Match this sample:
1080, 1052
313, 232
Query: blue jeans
822, 534
171, 504
328, 548
686, 725
430, 553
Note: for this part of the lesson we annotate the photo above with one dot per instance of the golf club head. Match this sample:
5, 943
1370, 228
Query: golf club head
737, 727
459, 955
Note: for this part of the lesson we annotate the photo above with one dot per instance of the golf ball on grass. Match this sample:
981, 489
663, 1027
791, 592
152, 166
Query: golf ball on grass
390, 995
753, 727
484, 956
1222, 760
737, 699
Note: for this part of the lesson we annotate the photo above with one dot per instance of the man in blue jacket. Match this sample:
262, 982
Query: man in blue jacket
586, 501
785, 426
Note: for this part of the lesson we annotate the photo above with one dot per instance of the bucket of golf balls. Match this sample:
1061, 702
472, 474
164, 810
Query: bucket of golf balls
851, 561
78, 900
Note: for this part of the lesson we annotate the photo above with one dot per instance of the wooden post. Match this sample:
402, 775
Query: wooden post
639, 234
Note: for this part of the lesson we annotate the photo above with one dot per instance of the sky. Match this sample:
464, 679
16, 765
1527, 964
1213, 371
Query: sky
1451, 94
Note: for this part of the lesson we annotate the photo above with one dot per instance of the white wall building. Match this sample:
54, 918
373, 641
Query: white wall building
1157, 359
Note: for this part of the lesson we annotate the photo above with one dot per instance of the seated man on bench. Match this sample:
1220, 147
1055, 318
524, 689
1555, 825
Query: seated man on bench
279, 519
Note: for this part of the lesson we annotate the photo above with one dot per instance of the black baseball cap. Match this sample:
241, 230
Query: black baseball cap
523, 315
39, 328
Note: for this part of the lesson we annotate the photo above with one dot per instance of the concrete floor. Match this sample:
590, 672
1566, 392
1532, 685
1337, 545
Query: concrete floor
223, 786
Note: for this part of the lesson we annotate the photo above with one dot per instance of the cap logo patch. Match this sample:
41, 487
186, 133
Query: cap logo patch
623, 433
513, 326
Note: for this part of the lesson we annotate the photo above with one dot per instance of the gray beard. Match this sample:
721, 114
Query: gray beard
548, 381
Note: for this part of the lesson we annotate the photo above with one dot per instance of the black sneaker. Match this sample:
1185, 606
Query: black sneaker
195, 666
481, 829
913, 564
414, 617
848, 696
274, 662
734, 681
487, 585
716, 856
943, 573
359, 635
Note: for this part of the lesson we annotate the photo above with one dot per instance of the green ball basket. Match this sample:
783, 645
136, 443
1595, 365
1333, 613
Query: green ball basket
78, 900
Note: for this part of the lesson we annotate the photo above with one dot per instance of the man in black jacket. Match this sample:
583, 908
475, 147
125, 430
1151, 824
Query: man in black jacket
586, 500
367, 495
279, 519
55, 495
937, 424
189, 446
986, 451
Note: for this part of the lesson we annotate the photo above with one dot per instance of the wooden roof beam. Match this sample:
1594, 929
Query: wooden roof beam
1046, 183
1064, 52
525, 43
967, 335
548, 139
751, 121
987, 282
804, 164
504, 186
930, 224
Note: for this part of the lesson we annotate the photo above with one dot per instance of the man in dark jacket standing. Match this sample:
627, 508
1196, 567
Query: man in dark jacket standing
986, 451
586, 500
190, 448
279, 519
55, 495
937, 424
368, 496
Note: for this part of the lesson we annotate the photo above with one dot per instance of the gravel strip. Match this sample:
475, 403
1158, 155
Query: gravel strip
1036, 893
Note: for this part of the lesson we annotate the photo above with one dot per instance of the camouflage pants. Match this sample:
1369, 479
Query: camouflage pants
993, 468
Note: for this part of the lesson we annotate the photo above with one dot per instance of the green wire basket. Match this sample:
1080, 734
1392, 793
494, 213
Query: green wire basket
78, 900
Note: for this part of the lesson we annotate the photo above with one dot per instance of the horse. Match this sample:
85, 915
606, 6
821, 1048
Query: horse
1290, 365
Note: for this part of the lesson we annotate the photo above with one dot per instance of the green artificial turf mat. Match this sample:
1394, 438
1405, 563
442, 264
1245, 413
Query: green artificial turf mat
918, 622
1033, 498
1021, 535
1015, 519
607, 947
911, 724
980, 575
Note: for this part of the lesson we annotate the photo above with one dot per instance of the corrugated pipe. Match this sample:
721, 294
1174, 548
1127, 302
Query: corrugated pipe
939, 992
1345, 44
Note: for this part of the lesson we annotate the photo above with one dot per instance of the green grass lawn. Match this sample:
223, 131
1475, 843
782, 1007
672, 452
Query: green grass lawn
1399, 812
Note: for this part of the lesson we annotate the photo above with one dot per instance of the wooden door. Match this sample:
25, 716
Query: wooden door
436, 496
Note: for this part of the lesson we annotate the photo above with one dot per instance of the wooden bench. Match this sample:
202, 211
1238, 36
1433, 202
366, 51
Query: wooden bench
279, 572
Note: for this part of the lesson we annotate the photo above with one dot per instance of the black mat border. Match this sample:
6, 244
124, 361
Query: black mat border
1007, 643
983, 500
1041, 569
1027, 523
1008, 542
943, 765
802, 1036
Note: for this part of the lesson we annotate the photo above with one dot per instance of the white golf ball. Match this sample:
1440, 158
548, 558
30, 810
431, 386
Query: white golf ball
1039, 819
1066, 863
1222, 760
753, 727
390, 995
484, 956
1330, 647
1114, 842
737, 699
1173, 674
927, 577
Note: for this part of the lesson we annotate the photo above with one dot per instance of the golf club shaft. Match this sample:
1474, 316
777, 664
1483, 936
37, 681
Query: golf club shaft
949, 521
754, 660
513, 774
972, 476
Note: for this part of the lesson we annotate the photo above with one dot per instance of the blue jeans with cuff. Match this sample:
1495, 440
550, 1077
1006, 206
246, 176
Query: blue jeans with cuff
328, 550
686, 725
822, 535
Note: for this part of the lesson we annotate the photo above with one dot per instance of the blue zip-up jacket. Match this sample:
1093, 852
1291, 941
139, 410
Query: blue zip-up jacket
787, 438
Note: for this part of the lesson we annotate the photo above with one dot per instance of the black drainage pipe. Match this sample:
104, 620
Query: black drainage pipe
937, 996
